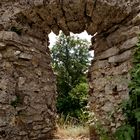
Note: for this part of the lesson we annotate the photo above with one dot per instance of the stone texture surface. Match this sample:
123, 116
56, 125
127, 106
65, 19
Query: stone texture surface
27, 82
109, 73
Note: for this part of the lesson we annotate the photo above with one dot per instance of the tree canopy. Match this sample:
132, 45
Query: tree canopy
71, 59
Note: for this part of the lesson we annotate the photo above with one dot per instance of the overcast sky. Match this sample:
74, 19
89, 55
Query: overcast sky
82, 35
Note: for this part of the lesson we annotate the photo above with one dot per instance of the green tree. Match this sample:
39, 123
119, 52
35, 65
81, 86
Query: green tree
70, 62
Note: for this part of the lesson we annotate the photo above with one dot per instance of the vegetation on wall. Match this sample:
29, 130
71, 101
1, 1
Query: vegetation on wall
16, 102
16, 30
70, 62
131, 129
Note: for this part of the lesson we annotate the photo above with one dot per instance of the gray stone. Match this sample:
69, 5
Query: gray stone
3, 122
21, 81
108, 53
2, 45
38, 127
107, 107
109, 89
17, 52
38, 2
122, 69
25, 82
112, 124
136, 19
4, 97
25, 56
100, 64
100, 83
45, 130
22, 133
129, 44
120, 58
0, 56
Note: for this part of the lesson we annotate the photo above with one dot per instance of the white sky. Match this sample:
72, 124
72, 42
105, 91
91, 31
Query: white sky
83, 35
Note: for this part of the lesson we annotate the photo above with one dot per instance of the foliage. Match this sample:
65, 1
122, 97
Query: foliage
102, 131
131, 108
79, 100
70, 62
16, 102
125, 132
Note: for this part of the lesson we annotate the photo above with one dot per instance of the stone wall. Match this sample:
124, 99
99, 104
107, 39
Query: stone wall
109, 74
27, 88
27, 82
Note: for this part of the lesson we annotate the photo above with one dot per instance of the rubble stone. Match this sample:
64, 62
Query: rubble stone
27, 82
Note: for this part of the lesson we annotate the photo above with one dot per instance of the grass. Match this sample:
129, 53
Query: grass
68, 129
73, 132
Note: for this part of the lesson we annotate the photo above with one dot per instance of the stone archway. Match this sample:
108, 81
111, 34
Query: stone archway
27, 82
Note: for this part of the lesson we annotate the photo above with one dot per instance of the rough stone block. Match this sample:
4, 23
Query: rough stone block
38, 2
136, 19
107, 107
122, 68
89, 7
2, 45
123, 34
120, 58
100, 45
100, 83
0, 56
100, 64
25, 56
108, 53
129, 44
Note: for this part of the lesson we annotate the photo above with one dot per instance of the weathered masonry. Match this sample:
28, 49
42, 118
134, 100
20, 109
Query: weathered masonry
27, 82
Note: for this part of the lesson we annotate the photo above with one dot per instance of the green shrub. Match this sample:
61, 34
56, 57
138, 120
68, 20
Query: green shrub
70, 62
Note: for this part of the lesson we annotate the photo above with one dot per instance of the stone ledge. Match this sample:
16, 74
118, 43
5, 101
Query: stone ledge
129, 44
13, 38
120, 58
108, 53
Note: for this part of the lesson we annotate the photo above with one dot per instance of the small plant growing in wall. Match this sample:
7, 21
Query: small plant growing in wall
16, 102
17, 119
131, 108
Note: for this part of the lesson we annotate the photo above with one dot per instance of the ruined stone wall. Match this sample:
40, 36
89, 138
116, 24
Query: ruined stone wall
27, 82
27, 88
110, 71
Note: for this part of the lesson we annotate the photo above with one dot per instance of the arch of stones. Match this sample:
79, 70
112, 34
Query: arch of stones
27, 82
